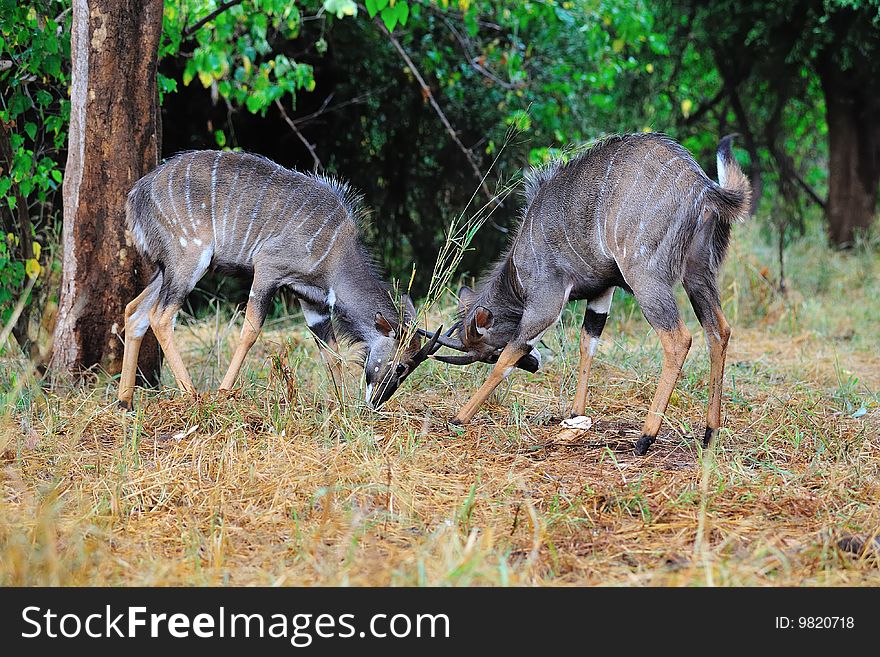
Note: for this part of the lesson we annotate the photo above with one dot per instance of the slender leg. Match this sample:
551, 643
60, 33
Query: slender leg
318, 319
162, 323
254, 315
531, 327
137, 321
676, 343
591, 330
707, 306
660, 309
506, 362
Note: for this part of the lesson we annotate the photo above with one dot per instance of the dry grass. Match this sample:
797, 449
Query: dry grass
280, 484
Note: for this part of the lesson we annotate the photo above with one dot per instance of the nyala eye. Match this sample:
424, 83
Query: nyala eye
401, 369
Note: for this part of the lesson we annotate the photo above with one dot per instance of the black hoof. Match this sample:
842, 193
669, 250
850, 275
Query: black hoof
124, 405
707, 439
644, 443
456, 422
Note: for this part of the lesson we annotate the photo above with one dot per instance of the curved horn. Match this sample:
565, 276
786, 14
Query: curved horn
428, 348
445, 339
467, 359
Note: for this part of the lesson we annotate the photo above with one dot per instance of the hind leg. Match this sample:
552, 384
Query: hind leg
702, 291
594, 321
137, 321
661, 311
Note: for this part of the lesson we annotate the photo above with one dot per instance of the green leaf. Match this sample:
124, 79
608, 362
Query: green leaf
389, 17
341, 8
31, 130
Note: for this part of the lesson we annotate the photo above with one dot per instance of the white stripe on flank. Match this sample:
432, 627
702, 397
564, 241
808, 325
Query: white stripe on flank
257, 207
331, 298
271, 214
214, 192
240, 201
171, 197
625, 200
313, 318
228, 203
327, 250
186, 197
308, 216
600, 199
321, 228
660, 175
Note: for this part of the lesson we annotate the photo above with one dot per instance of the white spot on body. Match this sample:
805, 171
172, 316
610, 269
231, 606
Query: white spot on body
203, 206
376, 368
202, 266
534, 353
602, 304
313, 318
197, 242
183, 242
331, 298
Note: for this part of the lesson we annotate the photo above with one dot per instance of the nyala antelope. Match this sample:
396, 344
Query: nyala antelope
635, 212
238, 212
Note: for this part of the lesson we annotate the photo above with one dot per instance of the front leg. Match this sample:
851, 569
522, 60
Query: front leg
534, 323
506, 362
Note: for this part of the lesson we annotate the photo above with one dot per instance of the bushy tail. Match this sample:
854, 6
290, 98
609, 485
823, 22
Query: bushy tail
733, 199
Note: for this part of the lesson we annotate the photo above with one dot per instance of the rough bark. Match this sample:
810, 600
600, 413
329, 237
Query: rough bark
853, 155
112, 143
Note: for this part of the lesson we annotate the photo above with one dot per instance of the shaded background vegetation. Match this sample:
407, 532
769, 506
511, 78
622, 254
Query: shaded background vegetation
413, 100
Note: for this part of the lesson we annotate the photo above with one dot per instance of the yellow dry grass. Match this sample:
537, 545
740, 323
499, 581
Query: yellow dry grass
280, 484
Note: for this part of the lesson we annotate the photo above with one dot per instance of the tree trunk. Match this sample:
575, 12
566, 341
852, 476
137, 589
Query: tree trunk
853, 153
112, 143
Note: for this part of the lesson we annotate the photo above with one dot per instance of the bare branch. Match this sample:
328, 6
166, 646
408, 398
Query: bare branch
188, 31
426, 92
300, 136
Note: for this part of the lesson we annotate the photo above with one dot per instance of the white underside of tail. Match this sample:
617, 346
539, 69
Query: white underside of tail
722, 171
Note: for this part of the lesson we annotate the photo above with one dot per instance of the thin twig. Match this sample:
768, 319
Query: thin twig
188, 31
426, 92
474, 62
292, 124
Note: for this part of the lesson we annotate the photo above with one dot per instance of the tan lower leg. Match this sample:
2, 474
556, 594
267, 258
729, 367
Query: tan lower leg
162, 323
249, 333
506, 361
586, 362
676, 344
129, 369
130, 353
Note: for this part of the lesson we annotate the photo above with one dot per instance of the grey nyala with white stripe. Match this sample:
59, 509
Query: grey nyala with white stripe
635, 212
243, 213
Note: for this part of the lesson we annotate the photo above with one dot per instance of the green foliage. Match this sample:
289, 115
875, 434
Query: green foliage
237, 53
34, 111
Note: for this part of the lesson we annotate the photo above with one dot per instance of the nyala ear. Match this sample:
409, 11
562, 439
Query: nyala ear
384, 326
482, 321
465, 296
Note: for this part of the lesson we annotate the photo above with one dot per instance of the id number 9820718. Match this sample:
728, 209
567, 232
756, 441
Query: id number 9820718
815, 622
